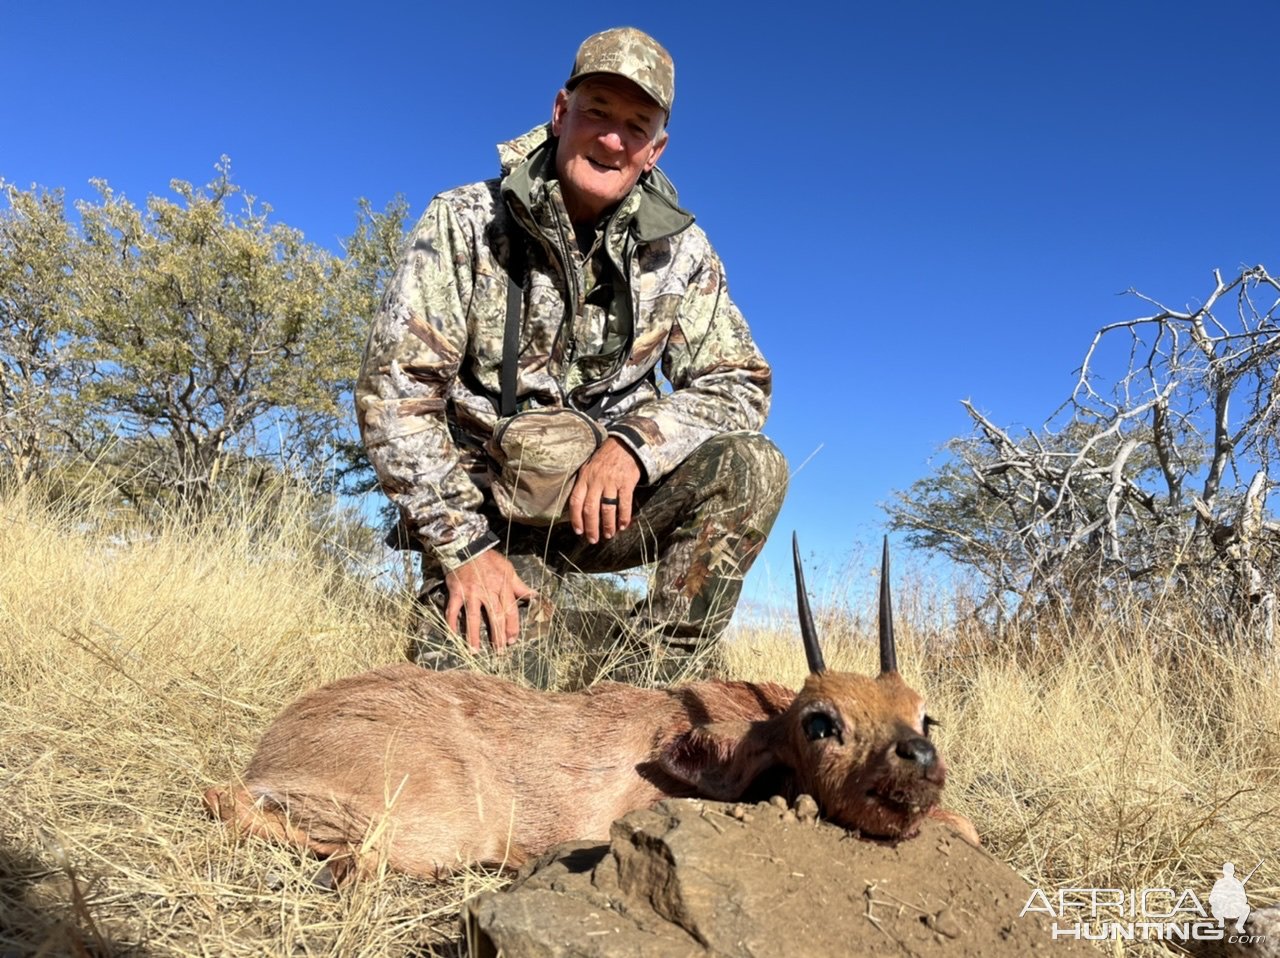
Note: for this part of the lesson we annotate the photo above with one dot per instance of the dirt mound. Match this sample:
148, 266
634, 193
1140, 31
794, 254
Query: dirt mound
704, 878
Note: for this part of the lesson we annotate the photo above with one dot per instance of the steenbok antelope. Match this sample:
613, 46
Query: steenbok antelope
435, 770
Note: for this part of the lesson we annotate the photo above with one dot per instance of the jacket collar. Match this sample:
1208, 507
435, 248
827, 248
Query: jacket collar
651, 210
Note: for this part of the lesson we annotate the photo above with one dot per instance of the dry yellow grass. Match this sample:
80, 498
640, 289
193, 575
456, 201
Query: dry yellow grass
137, 669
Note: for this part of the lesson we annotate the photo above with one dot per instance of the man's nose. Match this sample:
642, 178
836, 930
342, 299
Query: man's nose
611, 140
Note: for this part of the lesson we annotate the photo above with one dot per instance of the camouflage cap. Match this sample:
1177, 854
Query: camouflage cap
630, 53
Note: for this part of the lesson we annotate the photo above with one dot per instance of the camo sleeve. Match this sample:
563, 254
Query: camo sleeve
720, 381
415, 349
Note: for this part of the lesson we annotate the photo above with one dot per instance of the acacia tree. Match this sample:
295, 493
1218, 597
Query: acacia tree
40, 365
1153, 480
372, 254
219, 336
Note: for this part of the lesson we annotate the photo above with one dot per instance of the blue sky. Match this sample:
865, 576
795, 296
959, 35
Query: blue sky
917, 203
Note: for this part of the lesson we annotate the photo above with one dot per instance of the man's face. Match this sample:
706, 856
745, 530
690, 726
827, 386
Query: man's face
609, 135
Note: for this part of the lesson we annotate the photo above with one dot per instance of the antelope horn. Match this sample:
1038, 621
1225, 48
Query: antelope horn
807, 632
888, 652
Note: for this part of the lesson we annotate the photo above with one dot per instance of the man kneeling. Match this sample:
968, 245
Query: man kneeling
558, 380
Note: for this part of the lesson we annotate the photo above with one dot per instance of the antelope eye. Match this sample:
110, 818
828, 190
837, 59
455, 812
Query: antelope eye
930, 722
818, 725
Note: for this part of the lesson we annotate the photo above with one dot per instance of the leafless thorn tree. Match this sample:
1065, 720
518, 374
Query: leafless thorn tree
1149, 480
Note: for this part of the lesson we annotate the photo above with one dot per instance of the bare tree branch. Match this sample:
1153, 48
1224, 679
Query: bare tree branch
1096, 498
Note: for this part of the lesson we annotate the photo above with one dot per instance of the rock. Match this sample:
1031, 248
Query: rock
1261, 938
806, 808
1264, 924
693, 878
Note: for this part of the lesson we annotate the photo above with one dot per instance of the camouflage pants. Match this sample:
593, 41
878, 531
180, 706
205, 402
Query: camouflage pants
702, 527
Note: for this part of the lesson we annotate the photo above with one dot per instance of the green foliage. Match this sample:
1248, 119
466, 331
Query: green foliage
40, 369
217, 333
188, 344
372, 255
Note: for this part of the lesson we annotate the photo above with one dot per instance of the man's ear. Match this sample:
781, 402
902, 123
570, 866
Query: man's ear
557, 112
720, 760
657, 151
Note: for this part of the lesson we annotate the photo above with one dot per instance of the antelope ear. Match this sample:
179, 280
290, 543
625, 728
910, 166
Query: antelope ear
720, 760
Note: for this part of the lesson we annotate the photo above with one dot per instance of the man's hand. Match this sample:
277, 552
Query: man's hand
488, 585
600, 503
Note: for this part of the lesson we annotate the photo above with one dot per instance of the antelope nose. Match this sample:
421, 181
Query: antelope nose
919, 750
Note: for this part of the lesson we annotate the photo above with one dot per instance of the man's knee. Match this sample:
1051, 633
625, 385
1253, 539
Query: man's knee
755, 468
749, 452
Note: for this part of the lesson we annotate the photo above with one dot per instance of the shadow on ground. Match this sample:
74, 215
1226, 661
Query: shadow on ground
45, 911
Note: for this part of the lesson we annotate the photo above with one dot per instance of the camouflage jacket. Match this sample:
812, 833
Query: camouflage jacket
640, 333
